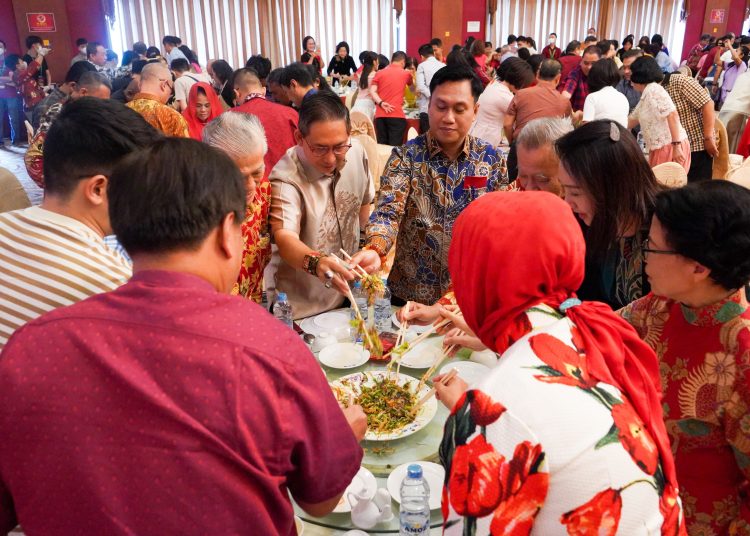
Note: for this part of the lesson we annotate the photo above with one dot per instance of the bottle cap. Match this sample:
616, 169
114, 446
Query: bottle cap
281, 296
357, 284
414, 471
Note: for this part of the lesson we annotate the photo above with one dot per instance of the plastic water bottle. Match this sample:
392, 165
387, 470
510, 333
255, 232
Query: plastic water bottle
415, 503
282, 309
360, 296
383, 310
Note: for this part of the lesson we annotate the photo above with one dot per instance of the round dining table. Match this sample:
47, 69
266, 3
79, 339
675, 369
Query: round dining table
382, 457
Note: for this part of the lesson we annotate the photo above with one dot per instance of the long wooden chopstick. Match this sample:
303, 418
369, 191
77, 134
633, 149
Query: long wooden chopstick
444, 381
445, 354
349, 258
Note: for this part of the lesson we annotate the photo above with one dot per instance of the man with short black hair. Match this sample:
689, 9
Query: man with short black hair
172, 50
696, 52
575, 86
261, 65
61, 93
170, 380
185, 77
81, 46
279, 122
552, 51
275, 91
321, 192
54, 254
33, 46
427, 68
425, 186
625, 86
82, 80
140, 48
387, 90
96, 54
297, 80
437, 49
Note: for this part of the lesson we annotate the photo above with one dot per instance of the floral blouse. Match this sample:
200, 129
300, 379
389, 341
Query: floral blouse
538, 445
652, 111
705, 369
257, 239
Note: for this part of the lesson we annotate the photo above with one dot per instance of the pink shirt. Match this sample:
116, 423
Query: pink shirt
165, 407
390, 84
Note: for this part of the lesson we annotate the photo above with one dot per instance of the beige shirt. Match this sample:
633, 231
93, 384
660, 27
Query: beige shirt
323, 210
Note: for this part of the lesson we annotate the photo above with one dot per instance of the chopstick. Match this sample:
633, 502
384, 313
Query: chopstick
446, 352
348, 257
444, 381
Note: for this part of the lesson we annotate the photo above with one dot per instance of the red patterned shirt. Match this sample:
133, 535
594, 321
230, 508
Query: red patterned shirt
257, 238
705, 369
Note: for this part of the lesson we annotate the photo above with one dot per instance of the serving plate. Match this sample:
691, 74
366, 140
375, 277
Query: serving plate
353, 383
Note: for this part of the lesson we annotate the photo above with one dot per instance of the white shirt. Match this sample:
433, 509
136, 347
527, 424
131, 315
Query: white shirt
652, 111
493, 103
607, 103
171, 56
738, 100
425, 72
183, 84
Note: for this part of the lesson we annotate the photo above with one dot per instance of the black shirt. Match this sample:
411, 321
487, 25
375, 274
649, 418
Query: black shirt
343, 67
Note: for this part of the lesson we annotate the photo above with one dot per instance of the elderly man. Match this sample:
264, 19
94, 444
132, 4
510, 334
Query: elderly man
169, 380
279, 122
425, 186
54, 255
242, 138
80, 82
576, 86
538, 164
321, 195
96, 54
151, 101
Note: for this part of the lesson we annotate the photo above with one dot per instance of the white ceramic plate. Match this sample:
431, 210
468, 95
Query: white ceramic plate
343, 355
353, 384
363, 481
423, 355
433, 473
332, 319
412, 327
469, 371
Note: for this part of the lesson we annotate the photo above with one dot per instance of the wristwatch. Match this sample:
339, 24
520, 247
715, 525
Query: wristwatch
311, 261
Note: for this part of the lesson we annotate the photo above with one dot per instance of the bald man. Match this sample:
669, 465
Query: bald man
278, 121
151, 101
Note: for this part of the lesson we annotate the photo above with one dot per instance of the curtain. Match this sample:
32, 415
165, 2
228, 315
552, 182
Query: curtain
570, 19
234, 30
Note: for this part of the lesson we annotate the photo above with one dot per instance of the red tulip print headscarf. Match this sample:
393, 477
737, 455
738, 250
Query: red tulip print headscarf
194, 124
513, 250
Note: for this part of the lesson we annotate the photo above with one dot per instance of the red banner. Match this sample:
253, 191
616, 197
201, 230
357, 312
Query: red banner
41, 22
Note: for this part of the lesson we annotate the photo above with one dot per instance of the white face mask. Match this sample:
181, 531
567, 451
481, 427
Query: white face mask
82, 50
552, 40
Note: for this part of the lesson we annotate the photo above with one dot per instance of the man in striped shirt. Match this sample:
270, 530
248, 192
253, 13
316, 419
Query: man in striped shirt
54, 255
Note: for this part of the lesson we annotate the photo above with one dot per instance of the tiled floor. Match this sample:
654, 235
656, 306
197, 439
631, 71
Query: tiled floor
11, 158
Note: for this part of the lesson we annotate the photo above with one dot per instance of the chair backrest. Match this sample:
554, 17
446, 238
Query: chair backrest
361, 124
741, 176
685, 70
670, 174
721, 162
412, 133
12, 194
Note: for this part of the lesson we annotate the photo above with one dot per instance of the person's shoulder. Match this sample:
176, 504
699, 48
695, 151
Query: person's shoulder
286, 169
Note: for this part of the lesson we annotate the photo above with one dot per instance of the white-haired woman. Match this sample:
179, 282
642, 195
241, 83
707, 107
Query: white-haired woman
242, 137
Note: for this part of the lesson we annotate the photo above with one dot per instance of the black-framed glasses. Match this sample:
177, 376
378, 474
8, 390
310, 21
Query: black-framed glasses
338, 150
645, 249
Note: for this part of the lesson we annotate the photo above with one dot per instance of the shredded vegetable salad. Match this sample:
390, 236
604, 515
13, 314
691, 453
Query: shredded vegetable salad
386, 403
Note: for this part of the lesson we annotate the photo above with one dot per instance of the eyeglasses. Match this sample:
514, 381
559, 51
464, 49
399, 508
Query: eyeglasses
169, 82
645, 249
338, 150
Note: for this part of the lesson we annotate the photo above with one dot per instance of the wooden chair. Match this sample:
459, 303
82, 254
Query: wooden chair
12, 194
350, 98
721, 162
670, 174
361, 124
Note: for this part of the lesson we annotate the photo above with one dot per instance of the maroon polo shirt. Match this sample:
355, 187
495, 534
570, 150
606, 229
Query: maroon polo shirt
278, 121
165, 407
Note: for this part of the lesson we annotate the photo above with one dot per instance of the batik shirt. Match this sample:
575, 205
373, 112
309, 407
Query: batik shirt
705, 370
257, 239
540, 446
422, 193
34, 157
160, 116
